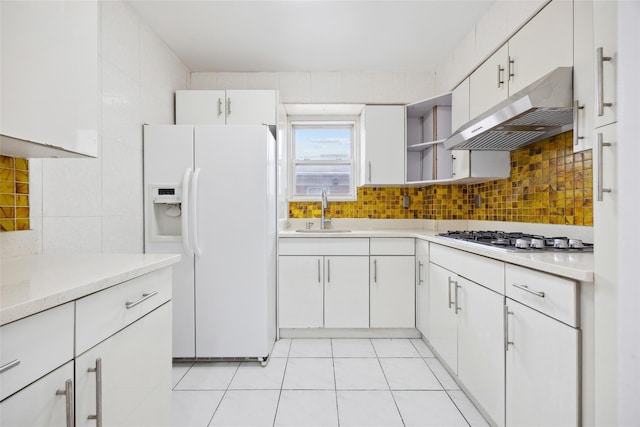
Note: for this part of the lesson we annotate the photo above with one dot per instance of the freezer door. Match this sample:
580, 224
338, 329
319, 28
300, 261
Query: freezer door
235, 275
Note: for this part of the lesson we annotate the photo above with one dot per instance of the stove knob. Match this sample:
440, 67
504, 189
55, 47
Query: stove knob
560, 243
537, 243
576, 243
522, 243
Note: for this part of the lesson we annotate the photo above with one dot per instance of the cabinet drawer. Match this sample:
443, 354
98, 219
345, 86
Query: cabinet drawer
487, 272
37, 345
551, 295
102, 314
392, 246
324, 246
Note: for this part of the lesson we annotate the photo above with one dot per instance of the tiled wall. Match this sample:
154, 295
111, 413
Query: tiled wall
14, 194
549, 184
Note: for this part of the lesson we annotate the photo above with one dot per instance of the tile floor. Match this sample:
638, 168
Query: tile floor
324, 382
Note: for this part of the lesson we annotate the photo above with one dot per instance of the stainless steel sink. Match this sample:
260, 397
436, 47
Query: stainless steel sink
326, 230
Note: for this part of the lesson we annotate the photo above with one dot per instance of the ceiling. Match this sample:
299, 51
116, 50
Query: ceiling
311, 35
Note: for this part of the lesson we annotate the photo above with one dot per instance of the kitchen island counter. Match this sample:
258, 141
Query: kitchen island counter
33, 283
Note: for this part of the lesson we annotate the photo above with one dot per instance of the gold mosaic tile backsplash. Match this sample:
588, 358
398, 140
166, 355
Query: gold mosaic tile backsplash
549, 184
14, 194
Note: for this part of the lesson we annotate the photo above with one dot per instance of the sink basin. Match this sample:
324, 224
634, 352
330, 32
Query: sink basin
326, 230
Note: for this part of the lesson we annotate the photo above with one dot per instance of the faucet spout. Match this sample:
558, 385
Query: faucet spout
325, 206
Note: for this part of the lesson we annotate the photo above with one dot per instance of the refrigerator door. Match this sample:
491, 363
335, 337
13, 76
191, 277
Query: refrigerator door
168, 154
236, 272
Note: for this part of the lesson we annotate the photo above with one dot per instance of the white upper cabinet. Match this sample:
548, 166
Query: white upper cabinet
605, 30
460, 105
382, 145
544, 44
49, 79
583, 67
231, 107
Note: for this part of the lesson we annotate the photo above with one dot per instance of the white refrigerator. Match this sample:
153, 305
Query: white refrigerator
210, 194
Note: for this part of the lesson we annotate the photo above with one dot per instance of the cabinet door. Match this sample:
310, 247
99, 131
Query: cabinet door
300, 291
460, 105
49, 75
39, 404
251, 107
481, 346
392, 291
135, 372
488, 84
542, 45
443, 330
383, 145
460, 164
605, 30
346, 292
583, 87
422, 287
542, 369
200, 107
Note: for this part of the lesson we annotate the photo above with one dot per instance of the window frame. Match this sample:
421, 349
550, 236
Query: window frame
324, 121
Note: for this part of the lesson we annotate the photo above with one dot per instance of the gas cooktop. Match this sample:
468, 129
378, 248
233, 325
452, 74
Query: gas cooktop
520, 242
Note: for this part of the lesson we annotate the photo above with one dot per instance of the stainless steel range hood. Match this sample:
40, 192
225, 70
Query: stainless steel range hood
542, 109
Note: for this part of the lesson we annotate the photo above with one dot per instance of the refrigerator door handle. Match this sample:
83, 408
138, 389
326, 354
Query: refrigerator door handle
195, 184
184, 220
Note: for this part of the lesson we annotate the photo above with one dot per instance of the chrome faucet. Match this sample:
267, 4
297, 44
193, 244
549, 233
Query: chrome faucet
325, 205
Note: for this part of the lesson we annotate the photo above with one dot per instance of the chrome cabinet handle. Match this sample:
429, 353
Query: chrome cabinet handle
369, 171
375, 271
328, 271
10, 365
576, 123
512, 67
219, 107
506, 314
453, 165
144, 297
526, 289
319, 270
457, 307
449, 289
601, 189
228, 107
600, 60
420, 279
98, 371
68, 397
500, 78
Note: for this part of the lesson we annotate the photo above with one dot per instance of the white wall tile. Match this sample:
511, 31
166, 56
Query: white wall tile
71, 187
122, 180
358, 86
520, 11
120, 96
464, 57
76, 234
295, 87
261, 80
120, 37
204, 81
389, 86
122, 234
491, 30
444, 75
232, 80
419, 85
157, 107
160, 69
326, 87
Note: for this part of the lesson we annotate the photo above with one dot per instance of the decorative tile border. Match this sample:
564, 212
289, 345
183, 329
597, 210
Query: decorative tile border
14, 194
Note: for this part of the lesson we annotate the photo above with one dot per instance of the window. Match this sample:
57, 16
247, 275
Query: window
323, 156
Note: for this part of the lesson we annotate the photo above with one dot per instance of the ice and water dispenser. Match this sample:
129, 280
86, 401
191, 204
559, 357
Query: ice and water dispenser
165, 222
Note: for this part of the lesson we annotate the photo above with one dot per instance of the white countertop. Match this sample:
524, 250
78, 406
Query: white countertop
572, 265
33, 283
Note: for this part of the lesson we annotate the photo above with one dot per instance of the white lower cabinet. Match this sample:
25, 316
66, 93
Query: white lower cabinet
466, 331
319, 291
46, 402
126, 379
346, 292
422, 287
542, 373
392, 280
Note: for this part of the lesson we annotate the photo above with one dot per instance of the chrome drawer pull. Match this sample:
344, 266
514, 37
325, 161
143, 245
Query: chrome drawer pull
526, 288
140, 300
9, 365
68, 395
420, 279
600, 60
507, 313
